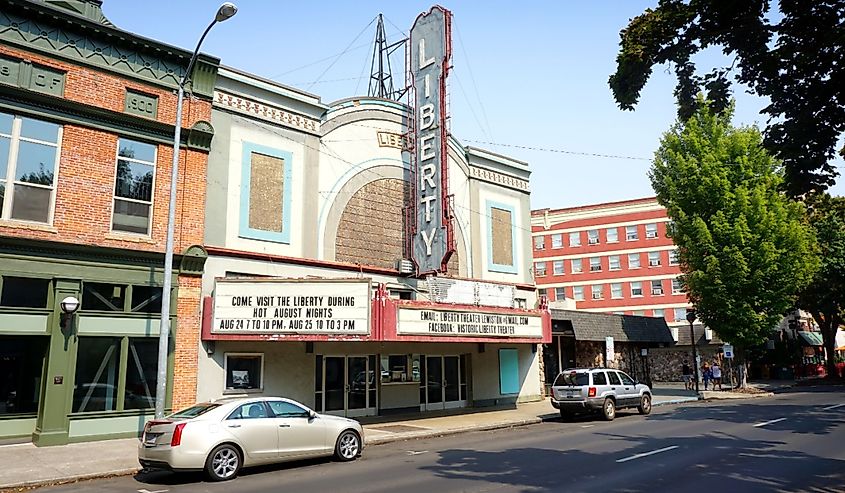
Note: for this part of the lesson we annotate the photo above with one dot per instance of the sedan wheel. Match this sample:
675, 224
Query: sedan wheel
609, 409
223, 463
348, 446
645, 404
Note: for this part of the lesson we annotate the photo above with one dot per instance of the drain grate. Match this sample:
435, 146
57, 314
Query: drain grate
399, 428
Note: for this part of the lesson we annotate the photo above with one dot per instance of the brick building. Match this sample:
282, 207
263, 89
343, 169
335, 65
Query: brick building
616, 258
86, 123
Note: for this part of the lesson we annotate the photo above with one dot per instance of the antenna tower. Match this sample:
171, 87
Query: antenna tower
381, 75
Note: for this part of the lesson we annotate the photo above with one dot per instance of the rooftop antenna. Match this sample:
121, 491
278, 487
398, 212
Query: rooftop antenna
381, 75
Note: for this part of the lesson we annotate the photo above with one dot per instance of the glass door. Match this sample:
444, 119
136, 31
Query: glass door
434, 382
445, 383
349, 383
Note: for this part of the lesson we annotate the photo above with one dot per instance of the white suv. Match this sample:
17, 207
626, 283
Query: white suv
601, 390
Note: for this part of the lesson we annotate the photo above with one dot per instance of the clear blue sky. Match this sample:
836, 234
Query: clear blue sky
530, 74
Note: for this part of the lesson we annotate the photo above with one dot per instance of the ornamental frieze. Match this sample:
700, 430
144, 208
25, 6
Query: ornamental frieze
265, 112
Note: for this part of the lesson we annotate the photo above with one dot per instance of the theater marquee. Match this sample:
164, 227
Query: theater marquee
432, 322
273, 306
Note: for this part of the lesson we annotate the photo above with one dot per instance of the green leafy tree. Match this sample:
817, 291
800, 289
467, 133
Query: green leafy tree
824, 297
793, 56
744, 249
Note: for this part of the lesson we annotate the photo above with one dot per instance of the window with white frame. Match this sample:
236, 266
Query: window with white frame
631, 233
560, 293
614, 262
616, 290
596, 290
244, 371
576, 266
658, 312
639, 313
557, 267
541, 292
539, 243
651, 230
612, 235
578, 293
654, 259
673, 257
636, 288
539, 269
557, 240
133, 187
633, 260
575, 239
595, 264
29, 156
593, 237
677, 287
656, 287
680, 314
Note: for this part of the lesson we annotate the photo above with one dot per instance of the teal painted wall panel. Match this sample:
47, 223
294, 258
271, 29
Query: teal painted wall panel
508, 371
143, 327
17, 427
108, 426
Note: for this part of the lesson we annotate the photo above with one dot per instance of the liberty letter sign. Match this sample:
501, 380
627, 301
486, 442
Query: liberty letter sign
430, 51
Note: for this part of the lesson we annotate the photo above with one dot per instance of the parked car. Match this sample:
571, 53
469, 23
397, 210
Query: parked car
222, 436
602, 390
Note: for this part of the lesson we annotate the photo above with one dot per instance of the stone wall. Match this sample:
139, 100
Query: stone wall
665, 363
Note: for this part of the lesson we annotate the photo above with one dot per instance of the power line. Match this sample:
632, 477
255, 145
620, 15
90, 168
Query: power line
343, 52
559, 151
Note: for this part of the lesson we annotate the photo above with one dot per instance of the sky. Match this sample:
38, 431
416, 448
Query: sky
529, 79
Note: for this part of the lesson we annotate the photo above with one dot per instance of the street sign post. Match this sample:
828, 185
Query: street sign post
728, 350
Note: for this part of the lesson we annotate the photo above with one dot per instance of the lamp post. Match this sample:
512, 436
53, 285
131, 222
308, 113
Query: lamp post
225, 11
691, 319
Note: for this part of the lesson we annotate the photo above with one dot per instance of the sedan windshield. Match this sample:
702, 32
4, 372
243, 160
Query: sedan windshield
572, 378
195, 410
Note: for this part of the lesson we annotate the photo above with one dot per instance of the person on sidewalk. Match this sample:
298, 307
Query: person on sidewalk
686, 375
716, 371
706, 374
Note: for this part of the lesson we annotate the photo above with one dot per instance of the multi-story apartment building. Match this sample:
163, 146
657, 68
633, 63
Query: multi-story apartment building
613, 257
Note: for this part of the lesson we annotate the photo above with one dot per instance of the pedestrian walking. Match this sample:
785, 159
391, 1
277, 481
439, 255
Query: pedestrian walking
686, 375
706, 374
716, 371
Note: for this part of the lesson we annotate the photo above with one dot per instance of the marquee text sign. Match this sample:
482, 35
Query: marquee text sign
339, 307
413, 321
430, 51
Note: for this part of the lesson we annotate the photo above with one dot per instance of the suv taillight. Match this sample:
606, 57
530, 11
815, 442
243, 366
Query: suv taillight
177, 435
591, 392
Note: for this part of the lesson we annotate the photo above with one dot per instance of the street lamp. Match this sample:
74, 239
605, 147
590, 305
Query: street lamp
225, 11
691, 319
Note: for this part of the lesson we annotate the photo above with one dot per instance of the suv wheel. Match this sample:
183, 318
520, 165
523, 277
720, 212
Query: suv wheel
645, 404
608, 410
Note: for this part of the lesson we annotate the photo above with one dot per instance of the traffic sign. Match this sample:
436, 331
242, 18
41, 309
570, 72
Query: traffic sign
728, 350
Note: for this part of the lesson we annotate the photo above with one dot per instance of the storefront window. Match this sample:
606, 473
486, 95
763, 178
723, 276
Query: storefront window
103, 297
21, 360
146, 299
141, 373
244, 371
24, 292
97, 365
394, 368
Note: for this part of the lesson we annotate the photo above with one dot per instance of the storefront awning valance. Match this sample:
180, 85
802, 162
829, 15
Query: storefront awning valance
811, 338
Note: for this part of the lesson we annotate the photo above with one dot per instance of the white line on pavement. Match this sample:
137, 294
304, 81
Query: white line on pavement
828, 408
587, 426
769, 422
646, 454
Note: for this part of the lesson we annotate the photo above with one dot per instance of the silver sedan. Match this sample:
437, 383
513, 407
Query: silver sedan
221, 437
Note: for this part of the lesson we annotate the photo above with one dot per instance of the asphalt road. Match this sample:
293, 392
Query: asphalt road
794, 441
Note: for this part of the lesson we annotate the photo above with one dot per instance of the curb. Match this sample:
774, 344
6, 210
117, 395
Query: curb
26, 485
454, 431
675, 401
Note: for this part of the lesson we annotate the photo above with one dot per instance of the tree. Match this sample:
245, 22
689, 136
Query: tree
798, 62
744, 250
824, 297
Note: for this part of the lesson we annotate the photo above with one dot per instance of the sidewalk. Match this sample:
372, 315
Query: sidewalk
25, 464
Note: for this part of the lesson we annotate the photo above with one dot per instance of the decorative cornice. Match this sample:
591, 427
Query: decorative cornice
266, 112
61, 110
497, 178
62, 34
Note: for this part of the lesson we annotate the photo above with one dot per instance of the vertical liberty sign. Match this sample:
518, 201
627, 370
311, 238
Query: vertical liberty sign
430, 47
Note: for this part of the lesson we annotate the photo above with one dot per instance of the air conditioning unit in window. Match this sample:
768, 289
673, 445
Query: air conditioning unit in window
654, 263
593, 241
657, 292
595, 268
651, 234
596, 296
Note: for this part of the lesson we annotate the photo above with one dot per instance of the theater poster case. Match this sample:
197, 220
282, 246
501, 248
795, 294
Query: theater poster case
292, 306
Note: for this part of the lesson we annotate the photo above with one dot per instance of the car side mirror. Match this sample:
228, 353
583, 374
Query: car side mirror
311, 414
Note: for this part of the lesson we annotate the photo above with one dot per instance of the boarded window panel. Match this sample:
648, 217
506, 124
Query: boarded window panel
266, 192
502, 236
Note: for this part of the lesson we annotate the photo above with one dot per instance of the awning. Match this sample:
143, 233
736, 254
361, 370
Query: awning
811, 338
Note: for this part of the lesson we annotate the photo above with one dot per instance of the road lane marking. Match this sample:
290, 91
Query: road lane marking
416, 452
587, 426
828, 408
769, 422
646, 454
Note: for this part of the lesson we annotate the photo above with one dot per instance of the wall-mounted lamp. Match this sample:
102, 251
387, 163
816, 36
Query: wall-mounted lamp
69, 306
